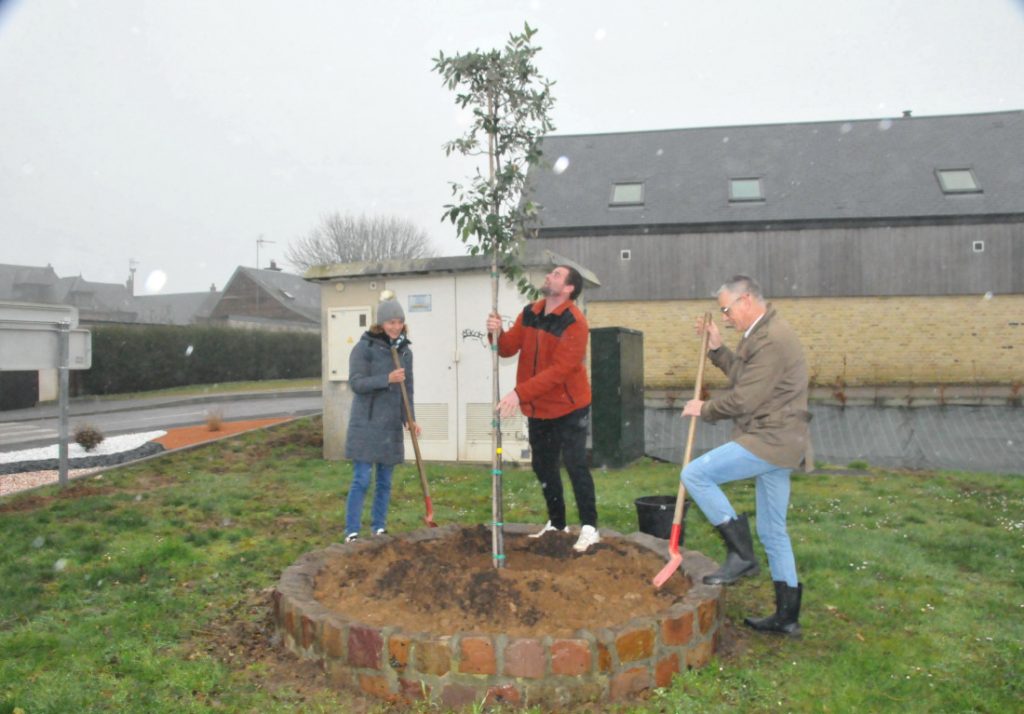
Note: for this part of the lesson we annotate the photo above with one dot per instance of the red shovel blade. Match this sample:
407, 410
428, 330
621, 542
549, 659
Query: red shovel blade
429, 518
675, 558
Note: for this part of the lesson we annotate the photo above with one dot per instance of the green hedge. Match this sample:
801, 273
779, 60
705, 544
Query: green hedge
142, 358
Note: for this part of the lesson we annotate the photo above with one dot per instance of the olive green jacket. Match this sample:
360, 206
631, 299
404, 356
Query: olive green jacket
767, 395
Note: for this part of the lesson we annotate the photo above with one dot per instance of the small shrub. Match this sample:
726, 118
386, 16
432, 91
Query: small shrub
87, 436
215, 419
859, 465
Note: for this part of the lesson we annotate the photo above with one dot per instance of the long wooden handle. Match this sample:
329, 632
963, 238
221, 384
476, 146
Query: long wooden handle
698, 387
412, 428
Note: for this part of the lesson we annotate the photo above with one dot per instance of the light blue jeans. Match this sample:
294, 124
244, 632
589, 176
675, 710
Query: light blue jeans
703, 478
381, 496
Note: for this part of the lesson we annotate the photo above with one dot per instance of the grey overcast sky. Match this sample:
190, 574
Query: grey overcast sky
175, 133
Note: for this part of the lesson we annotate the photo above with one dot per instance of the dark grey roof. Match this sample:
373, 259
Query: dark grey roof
820, 172
14, 279
103, 301
288, 289
175, 308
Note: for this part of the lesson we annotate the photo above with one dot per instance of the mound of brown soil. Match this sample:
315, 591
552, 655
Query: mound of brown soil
449, 584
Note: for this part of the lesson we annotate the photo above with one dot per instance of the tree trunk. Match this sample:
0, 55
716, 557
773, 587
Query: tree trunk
497, 509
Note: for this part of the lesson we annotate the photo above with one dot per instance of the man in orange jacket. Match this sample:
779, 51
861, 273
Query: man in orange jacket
553, 392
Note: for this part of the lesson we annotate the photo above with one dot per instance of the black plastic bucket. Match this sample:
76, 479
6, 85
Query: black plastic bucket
654, 516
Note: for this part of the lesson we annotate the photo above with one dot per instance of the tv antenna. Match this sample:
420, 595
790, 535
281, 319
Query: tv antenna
260, 241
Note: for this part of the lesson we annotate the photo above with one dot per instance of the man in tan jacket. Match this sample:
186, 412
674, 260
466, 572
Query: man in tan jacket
767, 401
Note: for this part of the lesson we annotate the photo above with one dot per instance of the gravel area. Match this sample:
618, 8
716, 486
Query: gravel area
12, 483
110, 446
29, 468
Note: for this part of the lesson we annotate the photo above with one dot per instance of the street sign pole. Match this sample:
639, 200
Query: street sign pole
63, 335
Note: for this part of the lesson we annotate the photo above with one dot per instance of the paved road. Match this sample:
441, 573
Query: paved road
28, 428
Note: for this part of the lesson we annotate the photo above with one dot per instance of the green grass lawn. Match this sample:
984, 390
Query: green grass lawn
113, 592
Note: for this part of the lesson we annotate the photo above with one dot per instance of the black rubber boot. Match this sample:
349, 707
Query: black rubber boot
785, 621
739, 560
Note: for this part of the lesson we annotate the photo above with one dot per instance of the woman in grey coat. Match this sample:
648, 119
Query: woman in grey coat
375, 426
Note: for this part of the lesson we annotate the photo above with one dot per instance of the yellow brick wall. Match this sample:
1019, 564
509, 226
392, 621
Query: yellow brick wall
863, 341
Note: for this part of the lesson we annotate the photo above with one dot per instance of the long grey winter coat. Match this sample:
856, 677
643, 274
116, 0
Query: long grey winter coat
375, 427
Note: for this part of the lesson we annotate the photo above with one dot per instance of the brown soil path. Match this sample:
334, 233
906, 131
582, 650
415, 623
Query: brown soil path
189, 435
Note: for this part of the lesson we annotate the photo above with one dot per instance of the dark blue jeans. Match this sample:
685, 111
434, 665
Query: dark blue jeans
381, 496
564, 439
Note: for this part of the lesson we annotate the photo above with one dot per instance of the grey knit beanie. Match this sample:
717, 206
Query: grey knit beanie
389, 310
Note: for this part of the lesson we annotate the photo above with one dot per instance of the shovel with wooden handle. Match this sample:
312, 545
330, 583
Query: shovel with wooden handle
675, 557
429, 517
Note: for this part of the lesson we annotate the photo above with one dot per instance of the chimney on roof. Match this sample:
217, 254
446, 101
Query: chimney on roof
273, 266
213, 287
906, 113
130, 284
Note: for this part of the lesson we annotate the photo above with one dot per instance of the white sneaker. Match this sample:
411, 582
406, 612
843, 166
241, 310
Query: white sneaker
588, 537
380, 531
351, 537
548, 528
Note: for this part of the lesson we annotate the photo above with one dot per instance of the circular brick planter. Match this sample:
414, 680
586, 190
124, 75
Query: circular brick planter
610, 661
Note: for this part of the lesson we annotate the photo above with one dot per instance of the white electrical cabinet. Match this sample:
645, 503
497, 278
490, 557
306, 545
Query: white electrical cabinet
345, 325
447, 320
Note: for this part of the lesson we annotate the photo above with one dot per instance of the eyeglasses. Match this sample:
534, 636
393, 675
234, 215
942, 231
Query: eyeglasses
726, 308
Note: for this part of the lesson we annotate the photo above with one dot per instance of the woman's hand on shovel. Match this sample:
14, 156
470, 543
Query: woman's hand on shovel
416, 427
396, 375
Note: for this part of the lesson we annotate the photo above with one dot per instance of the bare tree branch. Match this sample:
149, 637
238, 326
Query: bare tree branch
350, 239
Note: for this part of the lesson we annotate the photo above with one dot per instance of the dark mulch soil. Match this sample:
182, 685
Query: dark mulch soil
449, 584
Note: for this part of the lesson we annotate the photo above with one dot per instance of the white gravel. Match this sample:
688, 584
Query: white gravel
110, 445
12, 483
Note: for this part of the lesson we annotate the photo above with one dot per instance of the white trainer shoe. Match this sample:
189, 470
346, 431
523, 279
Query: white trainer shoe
351, 537
588, 537
548, 528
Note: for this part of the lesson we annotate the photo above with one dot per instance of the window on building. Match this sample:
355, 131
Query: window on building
625, 254
978, 246
745, 189
958, 181
627, 194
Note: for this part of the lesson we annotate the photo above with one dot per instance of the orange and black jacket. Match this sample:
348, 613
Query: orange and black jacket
551, 380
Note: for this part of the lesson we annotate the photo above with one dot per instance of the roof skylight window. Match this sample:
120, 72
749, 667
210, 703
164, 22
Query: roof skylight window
628, 194
958, 181
745, 189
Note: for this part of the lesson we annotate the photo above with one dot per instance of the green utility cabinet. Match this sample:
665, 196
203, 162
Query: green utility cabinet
617, 382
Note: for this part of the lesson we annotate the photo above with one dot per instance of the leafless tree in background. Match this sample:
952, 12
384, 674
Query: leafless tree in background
350, 239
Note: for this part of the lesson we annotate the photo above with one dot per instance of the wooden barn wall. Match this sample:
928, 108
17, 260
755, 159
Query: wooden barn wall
830, 262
